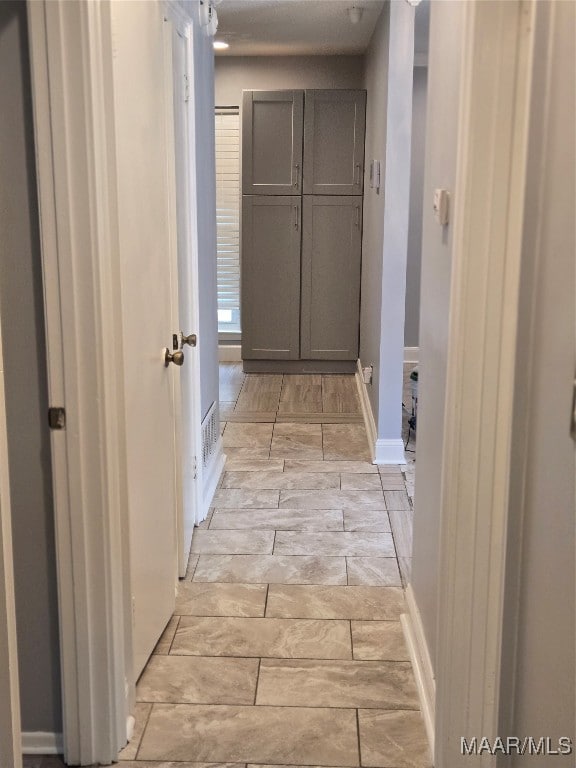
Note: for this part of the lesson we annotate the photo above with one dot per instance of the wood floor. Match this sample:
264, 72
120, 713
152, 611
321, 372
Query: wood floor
310, 399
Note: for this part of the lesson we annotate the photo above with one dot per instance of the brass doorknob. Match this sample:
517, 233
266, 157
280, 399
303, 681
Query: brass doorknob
173, 357
191, 340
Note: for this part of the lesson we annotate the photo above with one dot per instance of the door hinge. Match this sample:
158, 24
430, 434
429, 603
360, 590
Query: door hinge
57, 418
195, 468
186, 89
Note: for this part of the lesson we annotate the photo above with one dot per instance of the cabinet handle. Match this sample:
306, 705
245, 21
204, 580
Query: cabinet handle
357, 222
357, 174
297, 169
296, 217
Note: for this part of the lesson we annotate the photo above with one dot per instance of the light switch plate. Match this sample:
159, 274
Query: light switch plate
441, 206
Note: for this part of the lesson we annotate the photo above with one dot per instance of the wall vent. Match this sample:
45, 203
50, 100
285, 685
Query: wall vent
210, 434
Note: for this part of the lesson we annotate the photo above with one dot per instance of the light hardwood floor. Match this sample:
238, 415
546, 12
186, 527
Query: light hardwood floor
311, 399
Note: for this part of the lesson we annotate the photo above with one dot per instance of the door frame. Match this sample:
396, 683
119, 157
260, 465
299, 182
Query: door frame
10, 727
485, 294
71, 52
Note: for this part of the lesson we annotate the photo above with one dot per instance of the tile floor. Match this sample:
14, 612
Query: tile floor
286, 646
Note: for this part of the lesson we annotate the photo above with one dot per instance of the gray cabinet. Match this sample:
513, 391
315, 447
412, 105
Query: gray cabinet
271, 240
301, 229
331, 251
334, 126
272, 131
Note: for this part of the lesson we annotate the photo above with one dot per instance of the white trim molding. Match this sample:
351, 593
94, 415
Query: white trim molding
383, 451
389, 451
42, 743
486, 256
211, 478
71, 52
9, 683
229, 353
366, 407
421, 663
411, 354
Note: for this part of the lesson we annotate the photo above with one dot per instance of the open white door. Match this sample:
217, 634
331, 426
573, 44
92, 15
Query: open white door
147, 233
187, 390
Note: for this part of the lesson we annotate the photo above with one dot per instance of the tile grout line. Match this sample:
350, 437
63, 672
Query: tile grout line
257, 680
358, 736
174, 635
351, 640
138, 748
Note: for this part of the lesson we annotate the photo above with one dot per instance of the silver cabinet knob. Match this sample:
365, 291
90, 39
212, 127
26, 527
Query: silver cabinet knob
173, 357
191, 340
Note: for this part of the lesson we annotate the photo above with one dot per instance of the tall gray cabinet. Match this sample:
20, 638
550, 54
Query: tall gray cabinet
302, 184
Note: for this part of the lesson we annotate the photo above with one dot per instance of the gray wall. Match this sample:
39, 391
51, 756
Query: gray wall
413, 263
26, 387
376, 84
388, 81
446, 35
206, 206
235, 73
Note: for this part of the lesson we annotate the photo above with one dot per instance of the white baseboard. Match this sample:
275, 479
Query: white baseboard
211, 476
366, 406
411, 354
421, 663
389, 451
230, 353
130, 725
42, 743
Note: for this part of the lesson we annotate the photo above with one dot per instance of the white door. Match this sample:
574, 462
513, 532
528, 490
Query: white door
187, 428
144, 133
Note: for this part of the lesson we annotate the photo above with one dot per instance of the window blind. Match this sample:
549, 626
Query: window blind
228, 217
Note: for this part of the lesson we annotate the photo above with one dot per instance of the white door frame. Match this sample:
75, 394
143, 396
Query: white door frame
488, 218
71, 56
71, 50
10, 730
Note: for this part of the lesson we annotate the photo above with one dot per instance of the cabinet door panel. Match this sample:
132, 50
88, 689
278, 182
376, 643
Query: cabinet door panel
331, 252
272, 127
334, 126
271, 239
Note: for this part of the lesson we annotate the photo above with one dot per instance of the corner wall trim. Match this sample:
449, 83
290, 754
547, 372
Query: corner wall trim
366, 406
229, 353
389, 451
42, 743
212, 475
411, 354
421, 663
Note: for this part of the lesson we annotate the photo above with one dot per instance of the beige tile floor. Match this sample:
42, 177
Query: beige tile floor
286, 646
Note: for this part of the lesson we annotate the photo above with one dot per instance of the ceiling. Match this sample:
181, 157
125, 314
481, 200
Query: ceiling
295, 27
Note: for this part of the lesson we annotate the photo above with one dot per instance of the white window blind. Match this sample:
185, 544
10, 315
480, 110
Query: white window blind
228, 217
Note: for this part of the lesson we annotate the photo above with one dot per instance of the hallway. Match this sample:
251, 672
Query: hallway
286, 646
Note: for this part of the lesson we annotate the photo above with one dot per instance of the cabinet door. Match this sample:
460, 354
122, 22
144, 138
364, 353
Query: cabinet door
331, 251
334, 126
272, 127
271, 239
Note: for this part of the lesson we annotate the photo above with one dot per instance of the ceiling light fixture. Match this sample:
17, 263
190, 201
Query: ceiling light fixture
220, 45
355, 14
